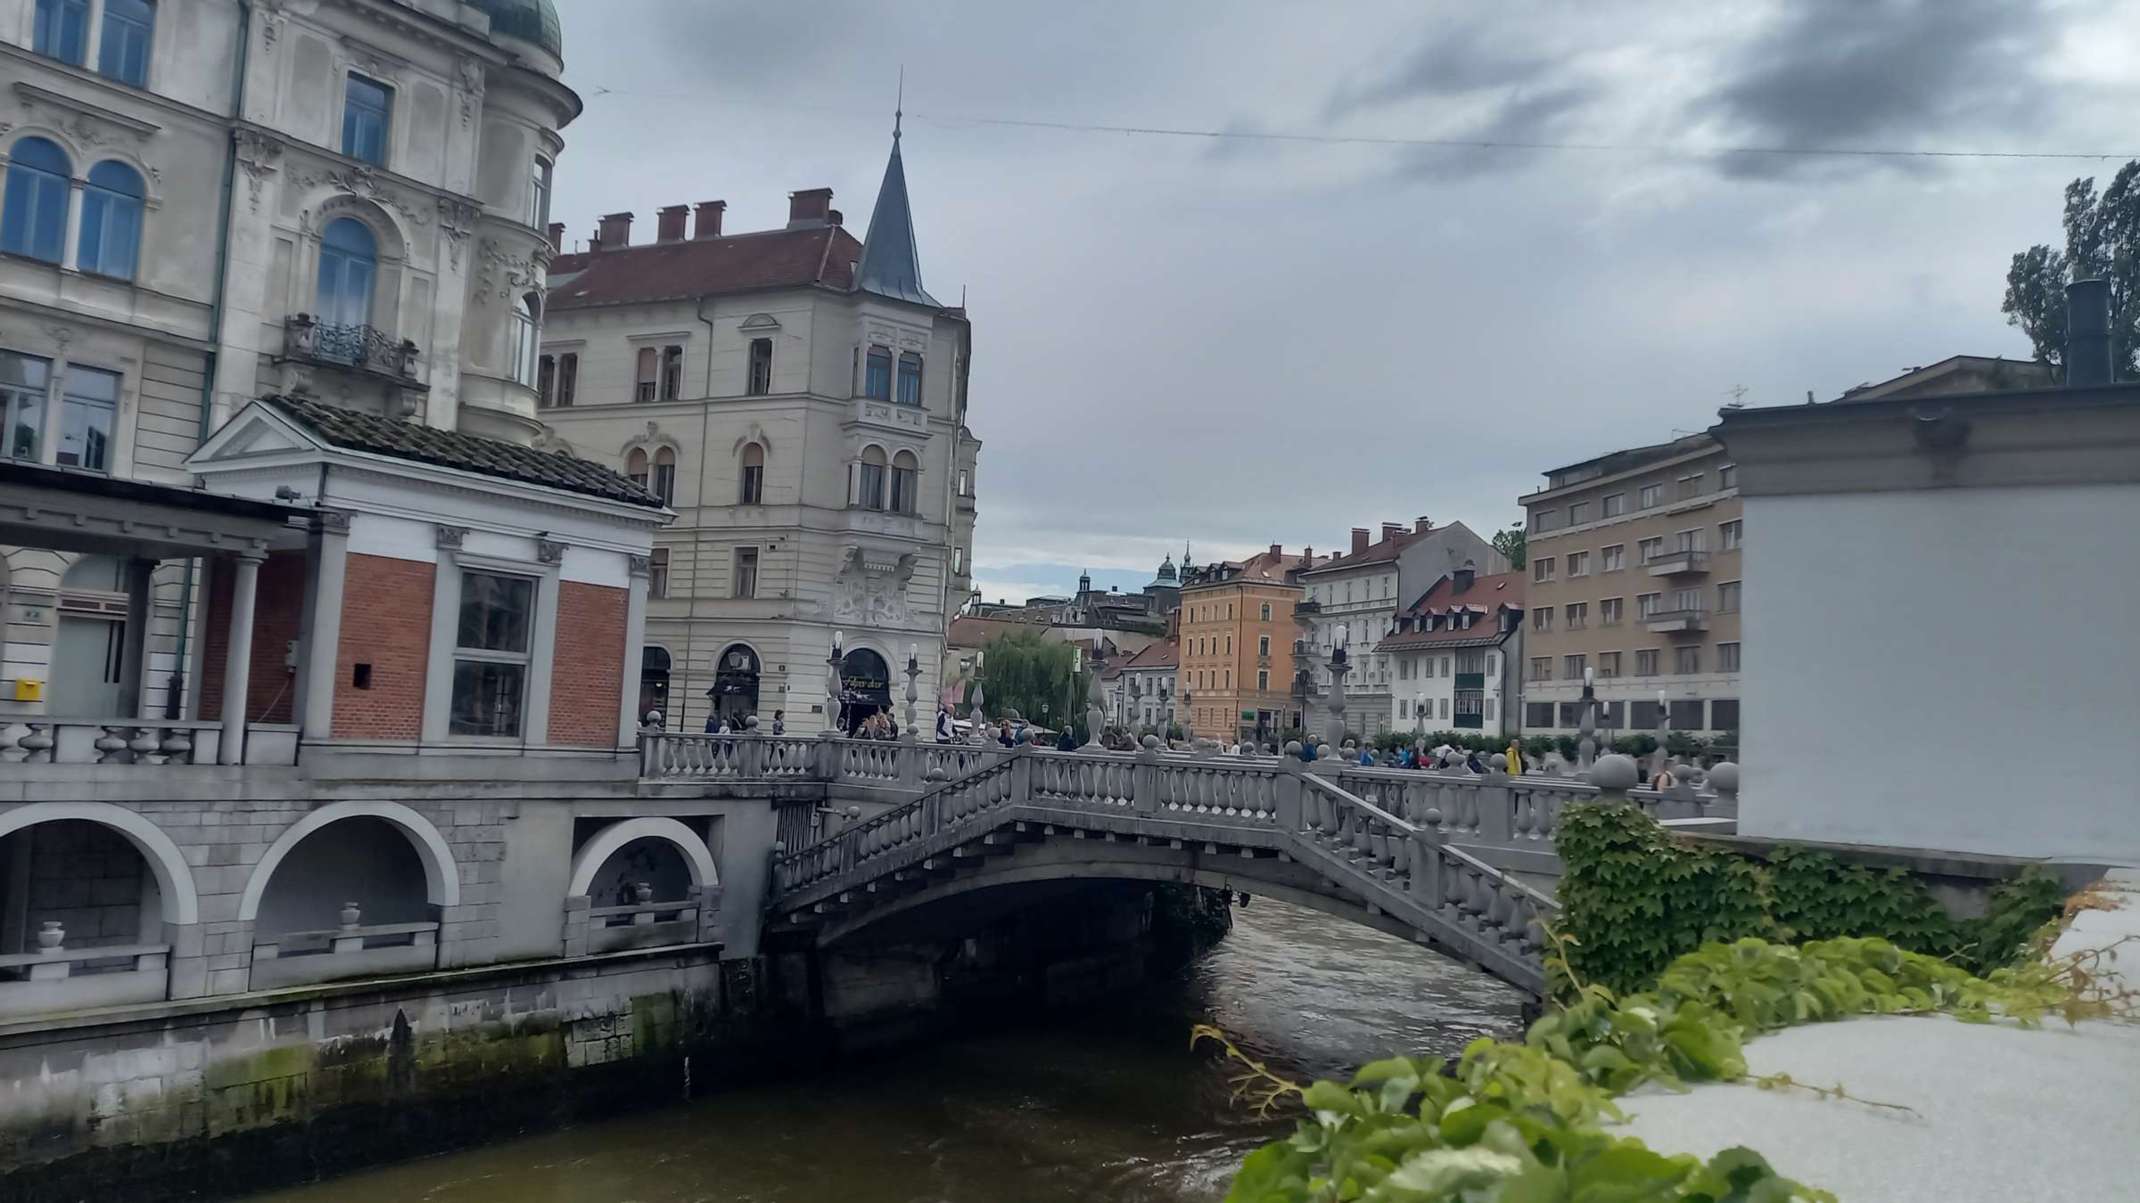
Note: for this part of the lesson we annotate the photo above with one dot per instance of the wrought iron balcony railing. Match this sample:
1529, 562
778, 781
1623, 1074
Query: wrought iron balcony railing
365, 348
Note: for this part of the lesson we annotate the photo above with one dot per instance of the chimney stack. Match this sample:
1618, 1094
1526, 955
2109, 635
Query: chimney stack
669, 223
1277, 550
557, 236
809, 207
2087, 333
1359, 539
615, 232
1391, 530
707, 219
1422, 526
1308, 554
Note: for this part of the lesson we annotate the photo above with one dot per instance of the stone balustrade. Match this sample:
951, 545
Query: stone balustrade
56, 977
351, 950
41, 740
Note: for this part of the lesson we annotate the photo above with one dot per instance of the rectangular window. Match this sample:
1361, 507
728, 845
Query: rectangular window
1578, 513
1538, 714
89, 400
872, 483
539, 193
1646, 604
665, 477
1263, 681
568, 377
1613, 559
909, 378
1443, 706
1646, 663
1572, 667
1404, 708
1578, 563
965, 483
1542, 618
367, 116
1727, 597
1542, 568
1611, 610
1643, 715
1613, 505
1687, 599
904, 485
23, 381
877, 374
1686, 661
1687, 714
1571, 714
1724, 714
958, 561
746, 583
657, 573
672, 373
648, 376
1650, 549
1727, 477
1690, 486
490, 658
129, 28
1541, 668
546, 381
1578, 615
1727, 657
1608, 664
760, 381
753, 485
62, 30
1730, 533
1690, 540
1651, 495
1545, 520
1263, 645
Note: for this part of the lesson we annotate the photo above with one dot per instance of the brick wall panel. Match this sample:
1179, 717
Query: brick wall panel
587, 681
386, 623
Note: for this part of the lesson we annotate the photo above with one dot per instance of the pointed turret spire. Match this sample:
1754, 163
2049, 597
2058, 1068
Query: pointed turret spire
890, 265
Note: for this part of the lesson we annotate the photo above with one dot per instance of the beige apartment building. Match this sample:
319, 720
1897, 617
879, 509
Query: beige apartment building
1634, 575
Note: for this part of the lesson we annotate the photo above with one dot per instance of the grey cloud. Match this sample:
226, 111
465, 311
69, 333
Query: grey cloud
1526, 117
1850, 73
1447, 62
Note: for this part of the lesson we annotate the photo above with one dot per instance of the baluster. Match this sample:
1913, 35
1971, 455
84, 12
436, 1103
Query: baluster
109, 745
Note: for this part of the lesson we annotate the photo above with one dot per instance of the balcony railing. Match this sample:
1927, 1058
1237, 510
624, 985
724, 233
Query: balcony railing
364, 348
1678, 563
58, 978
36, 739
1667, 622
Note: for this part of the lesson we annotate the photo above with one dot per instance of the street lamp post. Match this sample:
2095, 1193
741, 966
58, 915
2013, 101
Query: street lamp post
913, 693
833, 687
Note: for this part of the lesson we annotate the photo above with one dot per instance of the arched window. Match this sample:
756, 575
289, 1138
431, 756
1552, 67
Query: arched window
877, 374
526, 311
665, 475
906, 475
349, 263
635, 467
753, 492
909, 378
111, 221
869, 486
33, 214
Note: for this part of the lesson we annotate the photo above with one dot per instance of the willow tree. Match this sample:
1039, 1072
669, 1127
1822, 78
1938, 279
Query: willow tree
1037, 677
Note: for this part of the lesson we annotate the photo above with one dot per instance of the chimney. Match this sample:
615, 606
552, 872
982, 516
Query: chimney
557, 236
1391, 530
1277, 550
669, 223
707, 219
1307, 555
615, 232
1422, 526
808, 207
833, 217
2087, 333
1465, 575
1359, 539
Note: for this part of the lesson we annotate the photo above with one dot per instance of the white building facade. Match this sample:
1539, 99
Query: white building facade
207, 201
800, 400
1455, 656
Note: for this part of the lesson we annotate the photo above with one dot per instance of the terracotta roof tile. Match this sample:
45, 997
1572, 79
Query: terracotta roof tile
1487, 595
668, 271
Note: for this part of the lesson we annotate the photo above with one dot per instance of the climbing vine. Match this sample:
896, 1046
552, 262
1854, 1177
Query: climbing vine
1634, 898
1529, 1122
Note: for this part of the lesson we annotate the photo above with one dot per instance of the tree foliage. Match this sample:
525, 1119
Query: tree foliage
1034, 676
2102, 240
1510, 543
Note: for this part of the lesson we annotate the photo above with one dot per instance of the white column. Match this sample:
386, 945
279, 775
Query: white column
238, 659
140, 616
323, 632
70, 254
445, 625
628, 717
93, 45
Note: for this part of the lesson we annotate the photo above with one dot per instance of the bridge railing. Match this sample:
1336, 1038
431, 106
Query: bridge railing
866, 763
1515, 812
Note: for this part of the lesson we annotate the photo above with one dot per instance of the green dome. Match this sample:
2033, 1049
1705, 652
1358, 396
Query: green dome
529, 20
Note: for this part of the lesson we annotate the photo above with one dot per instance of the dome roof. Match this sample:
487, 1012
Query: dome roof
529, 20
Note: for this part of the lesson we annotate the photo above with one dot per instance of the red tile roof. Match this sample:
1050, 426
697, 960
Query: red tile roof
1377, 553
1488, 595
668, 271
1263, 567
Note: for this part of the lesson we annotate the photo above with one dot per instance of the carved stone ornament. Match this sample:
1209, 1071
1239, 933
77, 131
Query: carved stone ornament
504, 276
456, 220
334, 522
549, 551
364, 182
641, 565
868, 594
271, 19
258, 155
451, 536
471, 88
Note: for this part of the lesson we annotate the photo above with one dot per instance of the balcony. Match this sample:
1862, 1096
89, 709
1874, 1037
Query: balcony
910, 420
1676, 622
359, 348
1684, 562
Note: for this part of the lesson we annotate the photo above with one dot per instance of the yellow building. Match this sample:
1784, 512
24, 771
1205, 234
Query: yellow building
1237, 635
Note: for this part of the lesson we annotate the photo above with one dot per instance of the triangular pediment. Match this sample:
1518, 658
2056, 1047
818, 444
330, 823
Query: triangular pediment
257, 432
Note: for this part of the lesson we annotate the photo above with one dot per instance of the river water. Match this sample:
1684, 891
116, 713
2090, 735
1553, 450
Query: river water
1110, 1104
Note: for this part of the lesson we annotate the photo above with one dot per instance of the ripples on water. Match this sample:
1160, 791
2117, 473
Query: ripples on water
1109, 1104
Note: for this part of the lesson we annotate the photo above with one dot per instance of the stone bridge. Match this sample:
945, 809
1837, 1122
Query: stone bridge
1460, 862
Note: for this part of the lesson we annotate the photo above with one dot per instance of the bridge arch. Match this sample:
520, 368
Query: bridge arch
442, 880
588, 861
174, 879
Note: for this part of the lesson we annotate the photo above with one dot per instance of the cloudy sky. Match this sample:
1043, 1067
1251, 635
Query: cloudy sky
1253, 339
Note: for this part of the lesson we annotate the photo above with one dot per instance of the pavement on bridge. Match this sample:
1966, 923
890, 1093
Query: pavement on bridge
2000, 1113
